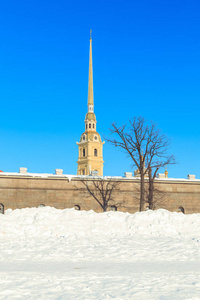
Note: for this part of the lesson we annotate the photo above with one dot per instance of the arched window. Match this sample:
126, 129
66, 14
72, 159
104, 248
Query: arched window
113, 207
93, 125
181, 209
89, 125
83, 172
84, 138
95, 152
83, 151
77, 207
1, 208
86, 126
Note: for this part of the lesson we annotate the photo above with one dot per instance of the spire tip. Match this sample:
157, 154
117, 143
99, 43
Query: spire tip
90, 34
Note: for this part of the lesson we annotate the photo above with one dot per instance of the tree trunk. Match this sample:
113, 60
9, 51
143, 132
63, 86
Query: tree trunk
151, 187
142, 191
105, 207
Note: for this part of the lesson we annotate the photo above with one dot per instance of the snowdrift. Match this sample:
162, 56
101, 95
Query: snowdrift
48, 221
47, 253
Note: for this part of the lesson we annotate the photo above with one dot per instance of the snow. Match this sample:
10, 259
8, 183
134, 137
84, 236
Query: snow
69, 177
46, 253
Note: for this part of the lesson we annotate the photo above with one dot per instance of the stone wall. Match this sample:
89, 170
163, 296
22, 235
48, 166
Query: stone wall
29, 190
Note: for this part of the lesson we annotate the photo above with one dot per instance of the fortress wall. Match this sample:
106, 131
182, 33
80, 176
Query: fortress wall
61, 192
184, 193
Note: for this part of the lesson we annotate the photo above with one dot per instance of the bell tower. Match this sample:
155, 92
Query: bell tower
90, 157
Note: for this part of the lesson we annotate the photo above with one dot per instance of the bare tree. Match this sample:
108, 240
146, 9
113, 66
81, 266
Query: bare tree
154, 197
147, 148
103, 191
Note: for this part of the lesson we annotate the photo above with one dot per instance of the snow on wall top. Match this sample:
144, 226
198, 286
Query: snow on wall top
69, 177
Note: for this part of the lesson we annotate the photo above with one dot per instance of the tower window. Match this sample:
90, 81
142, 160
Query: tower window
93, 125
95, 152
83, 151
89, 125
84, 138
86, 126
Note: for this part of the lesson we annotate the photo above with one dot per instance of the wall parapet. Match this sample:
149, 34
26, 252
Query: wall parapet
59, 174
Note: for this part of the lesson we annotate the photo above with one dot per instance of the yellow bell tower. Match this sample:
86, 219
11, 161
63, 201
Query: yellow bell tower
90, 157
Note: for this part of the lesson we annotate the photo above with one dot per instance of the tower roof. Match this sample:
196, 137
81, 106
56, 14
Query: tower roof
90, 116
90, 81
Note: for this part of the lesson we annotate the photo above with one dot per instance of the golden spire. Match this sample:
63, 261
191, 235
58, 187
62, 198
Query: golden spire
90, 81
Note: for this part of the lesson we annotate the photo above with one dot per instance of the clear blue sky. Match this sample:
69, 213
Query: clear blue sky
146, 61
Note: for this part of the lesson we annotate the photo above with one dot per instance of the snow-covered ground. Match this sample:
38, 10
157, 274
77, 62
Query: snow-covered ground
47, 253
